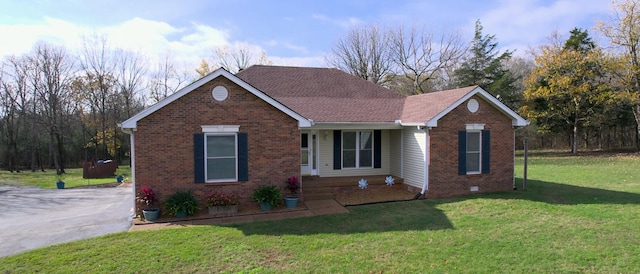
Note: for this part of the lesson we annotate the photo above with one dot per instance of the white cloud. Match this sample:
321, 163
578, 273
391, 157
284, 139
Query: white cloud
21, 38
186, 46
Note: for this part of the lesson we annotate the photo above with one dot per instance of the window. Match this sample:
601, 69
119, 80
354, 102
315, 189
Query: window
221, 158
474, 155
357, 149
220, 154
473, 152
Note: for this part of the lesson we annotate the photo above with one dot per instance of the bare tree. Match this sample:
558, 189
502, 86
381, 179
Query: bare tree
166, 79
239, 56
363, 52
51, 78
130, 70
422, 56
98, 88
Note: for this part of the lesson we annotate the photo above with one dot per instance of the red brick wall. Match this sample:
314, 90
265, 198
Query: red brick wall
164, 141
444, 180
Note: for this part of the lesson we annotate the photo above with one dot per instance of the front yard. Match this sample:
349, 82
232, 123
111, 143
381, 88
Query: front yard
578, 214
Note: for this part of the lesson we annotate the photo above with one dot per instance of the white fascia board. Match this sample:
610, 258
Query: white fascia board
131, 123
517, 120
354, 125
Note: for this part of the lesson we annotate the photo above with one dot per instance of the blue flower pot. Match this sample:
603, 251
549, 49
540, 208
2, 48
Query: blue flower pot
181, 214
151, 214
291, 202
60, 185
265, 206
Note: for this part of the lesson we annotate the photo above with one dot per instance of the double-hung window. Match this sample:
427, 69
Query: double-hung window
221, 157
474, 156
220, 154
357, 149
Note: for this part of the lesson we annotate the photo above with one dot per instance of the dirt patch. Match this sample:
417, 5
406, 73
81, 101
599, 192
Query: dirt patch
367, 196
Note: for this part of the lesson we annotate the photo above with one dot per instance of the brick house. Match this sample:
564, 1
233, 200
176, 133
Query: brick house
267, 123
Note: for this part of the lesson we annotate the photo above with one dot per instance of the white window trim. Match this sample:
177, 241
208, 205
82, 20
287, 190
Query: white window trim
220, 131
357, 149
475, 127
479, 131
220, 128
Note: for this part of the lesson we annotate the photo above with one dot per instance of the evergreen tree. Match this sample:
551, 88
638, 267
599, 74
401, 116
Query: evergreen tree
485, 66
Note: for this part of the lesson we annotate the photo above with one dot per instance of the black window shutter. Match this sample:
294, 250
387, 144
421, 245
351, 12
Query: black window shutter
337, 149
377, 148
486, 152
243, 157
462, 152
198, 158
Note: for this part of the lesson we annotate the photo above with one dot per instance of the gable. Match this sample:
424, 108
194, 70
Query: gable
132, 123
428, 109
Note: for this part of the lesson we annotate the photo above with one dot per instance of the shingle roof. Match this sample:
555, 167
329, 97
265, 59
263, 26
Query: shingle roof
326, 94
332, 96
423, 107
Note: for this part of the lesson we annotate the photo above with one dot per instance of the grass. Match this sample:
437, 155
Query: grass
48, 178
578, 214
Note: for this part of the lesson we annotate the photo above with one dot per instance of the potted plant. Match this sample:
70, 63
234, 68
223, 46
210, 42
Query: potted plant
293, 185
181, 204
221, 202
147, 197
60, 182
267, 196
119, 178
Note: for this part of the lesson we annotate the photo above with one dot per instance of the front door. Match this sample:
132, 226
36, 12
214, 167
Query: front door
308, 154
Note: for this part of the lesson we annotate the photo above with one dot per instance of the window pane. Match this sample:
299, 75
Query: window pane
365, 140
349, 140
221, 146
473, 141
349, 158
304, 157
473, 162
224, 168
304, 140
366, 158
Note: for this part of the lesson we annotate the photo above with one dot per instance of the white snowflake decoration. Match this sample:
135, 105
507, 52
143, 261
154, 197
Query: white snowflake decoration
389, 180
363, 183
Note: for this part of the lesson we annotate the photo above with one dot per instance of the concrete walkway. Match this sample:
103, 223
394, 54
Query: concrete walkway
31, 217
310, 208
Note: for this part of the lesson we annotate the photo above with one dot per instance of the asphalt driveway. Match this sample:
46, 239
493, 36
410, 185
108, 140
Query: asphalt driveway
31, 217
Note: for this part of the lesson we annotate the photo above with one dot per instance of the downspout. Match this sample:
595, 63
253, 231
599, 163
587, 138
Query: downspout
425, 158
132, 162
514, 160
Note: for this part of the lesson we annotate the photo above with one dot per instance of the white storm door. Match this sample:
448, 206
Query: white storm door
308, 154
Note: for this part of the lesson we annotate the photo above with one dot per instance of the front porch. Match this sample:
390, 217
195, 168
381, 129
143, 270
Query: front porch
346, 191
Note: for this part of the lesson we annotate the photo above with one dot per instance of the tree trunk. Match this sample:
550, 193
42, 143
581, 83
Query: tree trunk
636, 114
574, 137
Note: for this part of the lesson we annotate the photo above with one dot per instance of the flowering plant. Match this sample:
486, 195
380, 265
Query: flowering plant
292, 184
146, 195
222, 198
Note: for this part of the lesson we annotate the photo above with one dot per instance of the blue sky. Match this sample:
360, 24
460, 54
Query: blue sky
290, 32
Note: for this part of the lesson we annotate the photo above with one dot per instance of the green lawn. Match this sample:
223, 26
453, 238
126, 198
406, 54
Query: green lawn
578, 214
48, 178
